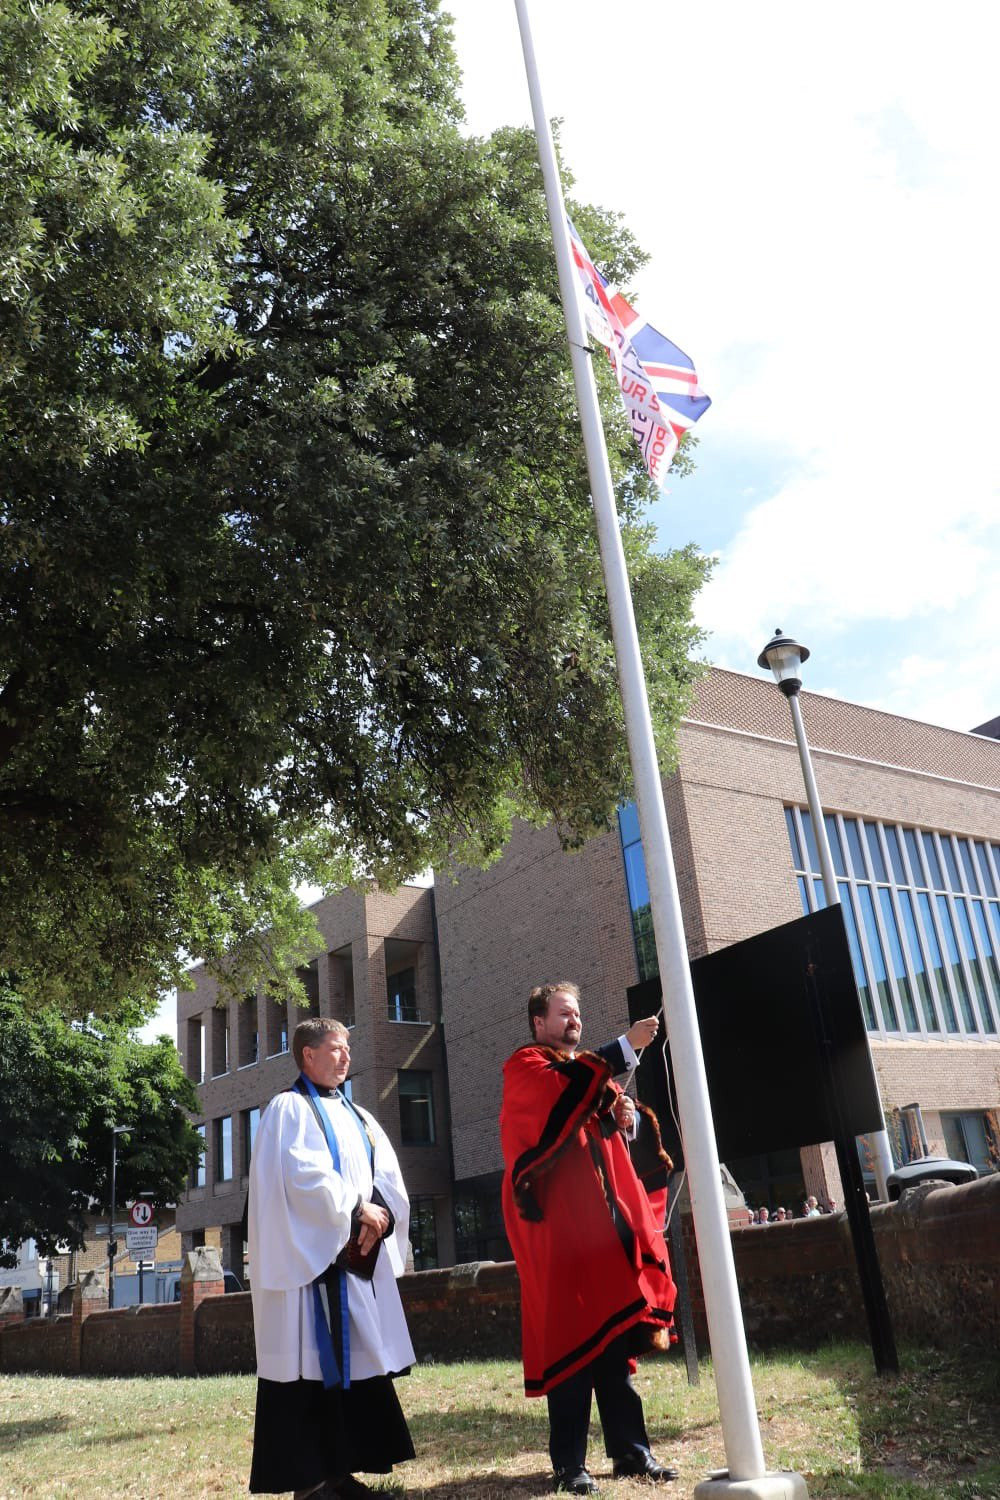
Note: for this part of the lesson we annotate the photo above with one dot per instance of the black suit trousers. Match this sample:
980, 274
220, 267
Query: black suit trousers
618, 1403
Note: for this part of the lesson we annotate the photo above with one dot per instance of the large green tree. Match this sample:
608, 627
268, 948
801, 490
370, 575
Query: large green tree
297, 568
62, 1089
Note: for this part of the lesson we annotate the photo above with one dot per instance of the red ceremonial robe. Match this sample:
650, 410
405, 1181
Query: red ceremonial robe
590, 1256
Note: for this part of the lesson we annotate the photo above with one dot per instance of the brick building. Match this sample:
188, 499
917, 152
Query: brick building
377, 973
913, 813
914, 819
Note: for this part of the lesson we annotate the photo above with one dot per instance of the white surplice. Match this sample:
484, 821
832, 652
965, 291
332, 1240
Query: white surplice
300, 1220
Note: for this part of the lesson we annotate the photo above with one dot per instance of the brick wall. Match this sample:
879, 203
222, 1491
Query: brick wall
939, 1249
537, 915
133, 1340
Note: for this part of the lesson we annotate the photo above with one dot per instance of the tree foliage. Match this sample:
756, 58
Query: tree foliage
62, 1087
297, 567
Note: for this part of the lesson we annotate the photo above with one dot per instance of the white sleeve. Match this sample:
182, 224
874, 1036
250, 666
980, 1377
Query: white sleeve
628, 1053
300, 1208
389, 1181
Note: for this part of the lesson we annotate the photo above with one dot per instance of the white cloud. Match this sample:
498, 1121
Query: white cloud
815, 190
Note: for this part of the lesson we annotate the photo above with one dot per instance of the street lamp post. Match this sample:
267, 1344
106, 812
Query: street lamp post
784, 657
116, 1131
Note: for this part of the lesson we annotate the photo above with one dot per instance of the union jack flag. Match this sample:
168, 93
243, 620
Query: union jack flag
658, 383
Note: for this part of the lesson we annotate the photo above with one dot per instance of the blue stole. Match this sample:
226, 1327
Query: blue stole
335, 1373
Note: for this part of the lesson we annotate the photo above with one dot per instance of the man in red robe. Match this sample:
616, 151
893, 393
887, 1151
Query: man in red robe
591, 1257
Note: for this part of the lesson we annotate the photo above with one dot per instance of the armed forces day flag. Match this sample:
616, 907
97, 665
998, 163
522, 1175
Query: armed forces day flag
658, 383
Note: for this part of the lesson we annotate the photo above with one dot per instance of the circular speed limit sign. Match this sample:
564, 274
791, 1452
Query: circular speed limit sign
140, 1214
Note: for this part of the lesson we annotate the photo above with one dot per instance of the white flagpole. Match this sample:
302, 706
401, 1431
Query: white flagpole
737, 1406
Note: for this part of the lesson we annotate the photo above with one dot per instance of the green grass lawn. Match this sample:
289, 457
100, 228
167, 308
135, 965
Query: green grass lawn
931, 1433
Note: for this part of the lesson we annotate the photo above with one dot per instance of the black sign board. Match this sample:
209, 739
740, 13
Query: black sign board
787, 1061
774, 1012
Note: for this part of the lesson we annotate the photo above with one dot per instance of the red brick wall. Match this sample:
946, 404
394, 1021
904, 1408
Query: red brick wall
939, 1249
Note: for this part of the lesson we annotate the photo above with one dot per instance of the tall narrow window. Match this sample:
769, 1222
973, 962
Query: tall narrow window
197, 1179
638, 892
402, 990
251, 1120
224, 1149
423, 1234
416, 1107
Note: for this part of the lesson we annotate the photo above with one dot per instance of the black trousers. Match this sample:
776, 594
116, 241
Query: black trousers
618, 1403
304, 1434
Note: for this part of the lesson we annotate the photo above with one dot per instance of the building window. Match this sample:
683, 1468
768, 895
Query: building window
423, 1234
195, 1050
403, 996
197, 1178
416, 1107
276, 1020
247, 1039
224, 1149
251, 1119
907, 1135
638, 892
923, 921
967, 1138
220, 1040
480, 1233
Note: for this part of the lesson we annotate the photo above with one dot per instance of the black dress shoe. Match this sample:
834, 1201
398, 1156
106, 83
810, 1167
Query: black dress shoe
575, 1482
643, 1466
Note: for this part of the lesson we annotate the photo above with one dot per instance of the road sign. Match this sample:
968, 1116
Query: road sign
141, 1242
141, 1214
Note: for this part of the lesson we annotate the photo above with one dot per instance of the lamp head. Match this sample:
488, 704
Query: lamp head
784, 657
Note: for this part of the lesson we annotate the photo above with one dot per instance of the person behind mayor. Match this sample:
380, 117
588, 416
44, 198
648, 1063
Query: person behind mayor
325, 1193
590, 1254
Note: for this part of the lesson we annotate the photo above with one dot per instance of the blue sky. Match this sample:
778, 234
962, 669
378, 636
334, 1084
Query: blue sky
815, 188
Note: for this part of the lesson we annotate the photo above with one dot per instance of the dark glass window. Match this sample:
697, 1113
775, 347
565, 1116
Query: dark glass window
970, 865
224, 1149
984, 868
957, 972
402, 988
416, 1107
793, 839
251, 1120
423, 1234
197, 1179
833, 839
896, 855
966, 1139
937, 963
889, 1017
638, 892
917, 961
951, 863
857, 853
850, 922
913, 850
810, 838
898, 965
976, 966
933, 863
803, 894
875, 852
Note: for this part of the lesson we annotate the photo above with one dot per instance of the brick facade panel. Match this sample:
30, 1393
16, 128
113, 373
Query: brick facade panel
538, 915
